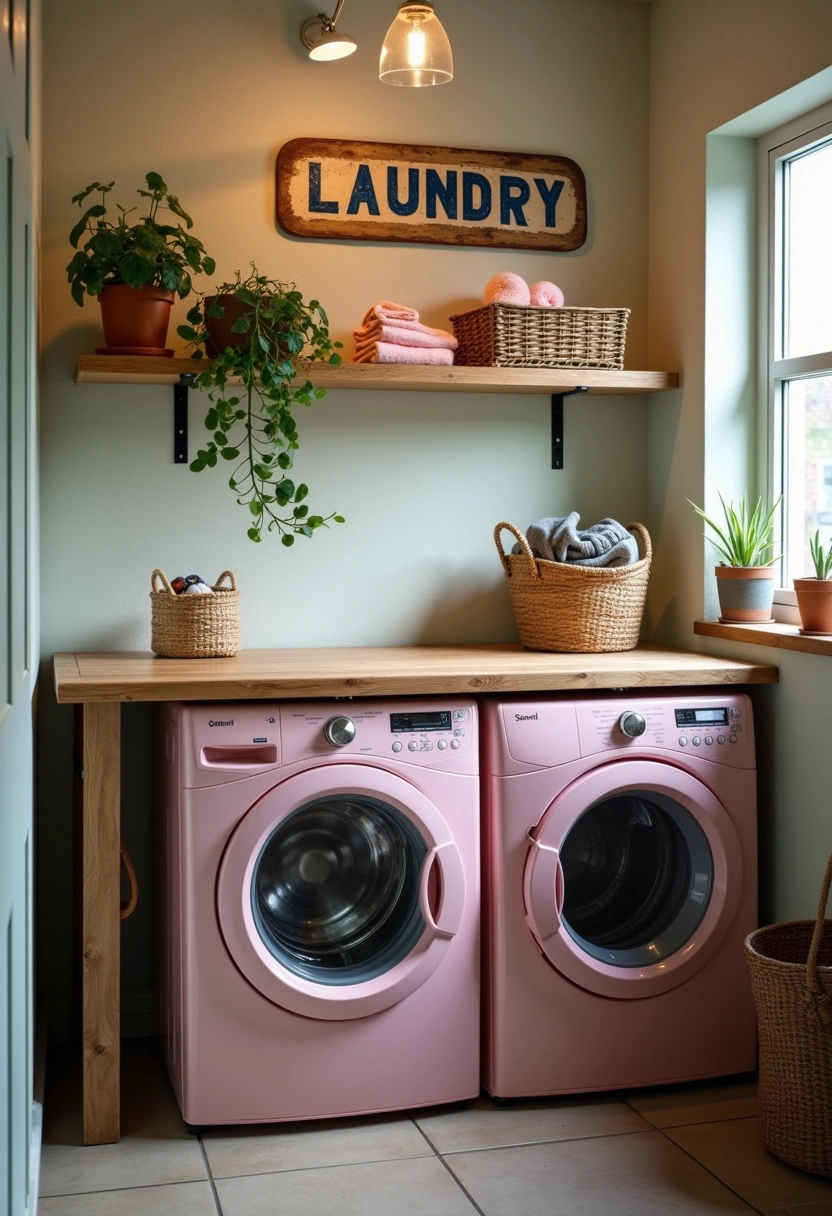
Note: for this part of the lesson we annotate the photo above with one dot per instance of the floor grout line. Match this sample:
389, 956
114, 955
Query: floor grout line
327, 1165
211, 1182
708, 1170
496, 1148
445, 1165
114, 1190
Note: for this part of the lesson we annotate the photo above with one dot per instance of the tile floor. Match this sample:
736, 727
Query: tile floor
685, 1151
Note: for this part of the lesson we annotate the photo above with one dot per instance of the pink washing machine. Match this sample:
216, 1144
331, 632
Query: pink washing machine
320, 884
620, 880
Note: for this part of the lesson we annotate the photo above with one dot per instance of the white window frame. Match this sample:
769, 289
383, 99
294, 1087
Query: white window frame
775, 148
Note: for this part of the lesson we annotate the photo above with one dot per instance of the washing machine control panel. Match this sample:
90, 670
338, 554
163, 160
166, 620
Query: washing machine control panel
412, 732
715, 728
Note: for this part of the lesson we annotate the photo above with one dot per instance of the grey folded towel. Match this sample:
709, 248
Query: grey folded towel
607, 543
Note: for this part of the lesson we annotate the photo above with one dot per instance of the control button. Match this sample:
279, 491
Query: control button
339, 731
709, 740
632, 725
733, 738
696, 740
397, 747
720, 738
412, 745
735, 713
459, 715
455, 744
459, 732
442, 744
736, 727
683, 741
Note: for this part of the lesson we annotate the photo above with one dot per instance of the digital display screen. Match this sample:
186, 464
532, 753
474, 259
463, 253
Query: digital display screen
434, 720
702, 717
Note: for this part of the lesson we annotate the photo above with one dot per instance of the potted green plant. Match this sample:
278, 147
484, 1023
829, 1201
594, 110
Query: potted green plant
134, 268
814, 595
270, 328
745, 576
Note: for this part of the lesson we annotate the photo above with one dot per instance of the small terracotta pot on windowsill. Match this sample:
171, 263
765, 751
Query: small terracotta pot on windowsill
814, 603
745, 593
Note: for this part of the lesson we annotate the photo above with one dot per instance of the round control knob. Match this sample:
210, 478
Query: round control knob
632, 725
339, 731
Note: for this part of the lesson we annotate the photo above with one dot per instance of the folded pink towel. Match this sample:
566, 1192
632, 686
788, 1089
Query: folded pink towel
413, 334
391, 352
386, 310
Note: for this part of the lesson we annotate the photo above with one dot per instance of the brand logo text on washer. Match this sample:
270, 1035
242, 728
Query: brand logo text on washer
525, 717
230, 722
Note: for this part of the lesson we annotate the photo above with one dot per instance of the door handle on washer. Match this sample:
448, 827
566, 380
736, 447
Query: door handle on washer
452, 875
543, 890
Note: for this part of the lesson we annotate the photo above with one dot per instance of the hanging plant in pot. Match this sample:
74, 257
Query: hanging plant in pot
814, 595
134, 269
255, 330
745, 577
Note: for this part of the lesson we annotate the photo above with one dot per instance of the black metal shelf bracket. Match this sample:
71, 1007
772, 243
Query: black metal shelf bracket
557, 423
180, 416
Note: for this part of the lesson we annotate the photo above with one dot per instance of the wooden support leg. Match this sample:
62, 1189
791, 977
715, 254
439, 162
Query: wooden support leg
101, 931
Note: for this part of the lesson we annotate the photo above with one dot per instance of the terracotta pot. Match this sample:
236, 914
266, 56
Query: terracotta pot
135, 318
814, 602
219, 328
745, 592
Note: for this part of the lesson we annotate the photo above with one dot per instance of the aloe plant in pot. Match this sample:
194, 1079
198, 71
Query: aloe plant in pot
745, 576
135, 270
270, 328
814, 595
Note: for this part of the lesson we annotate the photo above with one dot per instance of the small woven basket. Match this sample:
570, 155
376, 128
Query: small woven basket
791, 975
559, 606
194, 626
510, 335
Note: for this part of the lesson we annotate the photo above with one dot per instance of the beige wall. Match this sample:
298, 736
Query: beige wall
206, 92
712, 62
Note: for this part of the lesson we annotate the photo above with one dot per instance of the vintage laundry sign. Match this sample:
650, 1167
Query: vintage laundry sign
337, 189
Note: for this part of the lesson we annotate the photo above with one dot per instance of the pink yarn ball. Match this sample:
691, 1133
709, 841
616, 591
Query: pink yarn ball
506, 288
545, 295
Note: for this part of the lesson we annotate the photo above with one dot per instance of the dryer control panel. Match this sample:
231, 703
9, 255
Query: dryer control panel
415, 732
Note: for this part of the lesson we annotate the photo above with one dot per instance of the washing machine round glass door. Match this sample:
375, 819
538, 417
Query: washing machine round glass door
632, 879
340, 891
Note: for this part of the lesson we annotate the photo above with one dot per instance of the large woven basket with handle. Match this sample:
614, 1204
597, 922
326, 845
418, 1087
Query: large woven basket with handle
194, 626
585, 609
791, 975
580, 609
514, 335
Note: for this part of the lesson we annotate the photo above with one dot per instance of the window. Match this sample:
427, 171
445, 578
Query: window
796, 232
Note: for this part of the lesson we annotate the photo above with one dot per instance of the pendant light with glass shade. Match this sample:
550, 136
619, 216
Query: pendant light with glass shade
416, 50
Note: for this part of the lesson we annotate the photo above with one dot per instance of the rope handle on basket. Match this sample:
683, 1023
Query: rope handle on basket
644, 536
818, 1002
229, 574
164, 580
524, 545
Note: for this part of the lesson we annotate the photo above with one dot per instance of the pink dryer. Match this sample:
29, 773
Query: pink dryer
620, 880
320, 882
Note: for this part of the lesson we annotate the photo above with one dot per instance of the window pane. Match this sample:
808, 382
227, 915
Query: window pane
808, 248
808, 467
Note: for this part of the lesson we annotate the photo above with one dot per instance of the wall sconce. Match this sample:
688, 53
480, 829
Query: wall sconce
416, 51
322, 40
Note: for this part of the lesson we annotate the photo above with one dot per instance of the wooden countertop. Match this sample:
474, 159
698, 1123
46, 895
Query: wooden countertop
386, 671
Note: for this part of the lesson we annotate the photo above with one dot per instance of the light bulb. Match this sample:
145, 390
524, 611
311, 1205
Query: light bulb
416, 51
416, 46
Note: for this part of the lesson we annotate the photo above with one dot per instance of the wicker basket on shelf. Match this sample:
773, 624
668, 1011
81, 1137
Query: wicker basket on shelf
791, 975
194, 626
559, 606
511, 335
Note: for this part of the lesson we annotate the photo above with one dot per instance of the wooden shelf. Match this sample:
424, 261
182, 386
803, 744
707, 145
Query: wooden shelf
387, 671
775, 634
117, 369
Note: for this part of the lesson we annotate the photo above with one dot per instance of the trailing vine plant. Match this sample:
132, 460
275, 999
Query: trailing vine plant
272, 328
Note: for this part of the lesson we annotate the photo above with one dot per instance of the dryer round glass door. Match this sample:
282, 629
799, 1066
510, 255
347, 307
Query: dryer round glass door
335, 890
637, 878
632, 879
340, 891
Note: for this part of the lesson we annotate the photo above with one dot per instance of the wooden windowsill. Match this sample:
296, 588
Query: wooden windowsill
782, 636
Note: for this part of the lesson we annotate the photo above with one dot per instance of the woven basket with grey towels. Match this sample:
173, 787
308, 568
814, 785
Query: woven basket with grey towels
607, 543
